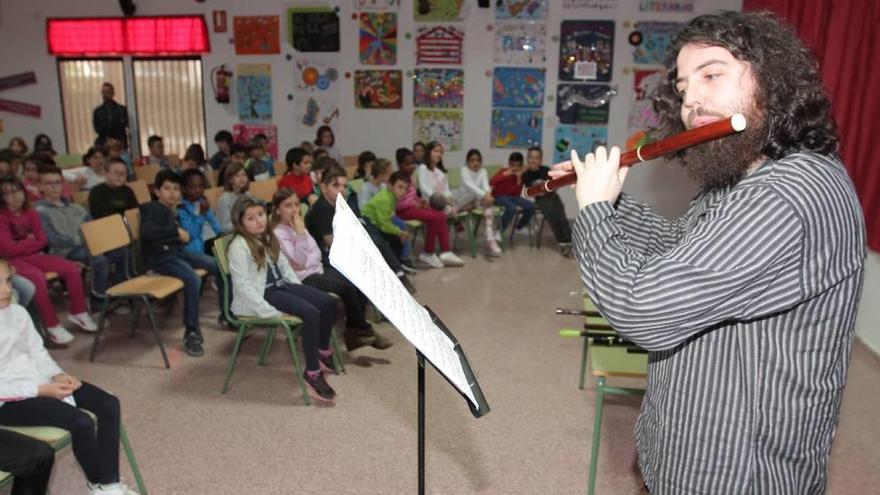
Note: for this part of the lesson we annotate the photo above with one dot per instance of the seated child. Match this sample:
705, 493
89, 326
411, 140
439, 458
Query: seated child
305, 257
549, 202
223, 140
432, 180
365, 162
29, 460
298, 176
476, 193
35, 392
157, 156
254, 164
162, 242
112, 196
22, 242
235, 184
194, 213
507, 189
90, 174
380, 173
264, 285
61, 220
268, 162
194, 159
379, 211
30, 178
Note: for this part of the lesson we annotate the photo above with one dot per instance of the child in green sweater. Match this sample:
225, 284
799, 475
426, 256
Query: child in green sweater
379, 211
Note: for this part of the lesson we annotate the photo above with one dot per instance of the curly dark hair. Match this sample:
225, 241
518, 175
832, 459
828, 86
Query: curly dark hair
789, 86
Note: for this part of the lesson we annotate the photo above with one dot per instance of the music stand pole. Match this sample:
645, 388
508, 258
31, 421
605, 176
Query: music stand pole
421, 365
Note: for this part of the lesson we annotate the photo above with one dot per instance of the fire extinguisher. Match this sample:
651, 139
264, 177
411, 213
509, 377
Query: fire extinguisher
221, 78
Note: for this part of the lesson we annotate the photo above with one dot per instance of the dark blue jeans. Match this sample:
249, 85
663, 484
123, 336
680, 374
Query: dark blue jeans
510, 203
102, 275
182, 266
314, 307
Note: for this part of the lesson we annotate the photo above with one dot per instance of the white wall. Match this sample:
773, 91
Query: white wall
868, 323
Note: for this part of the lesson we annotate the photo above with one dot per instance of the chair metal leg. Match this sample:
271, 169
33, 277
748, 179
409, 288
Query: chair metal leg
98, 334
473, 225
267, 347
584, 363
297, 368
129, 453
338, 367
597, 433
155, 330
232, 359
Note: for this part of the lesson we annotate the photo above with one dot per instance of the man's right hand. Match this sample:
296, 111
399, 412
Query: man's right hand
55, 390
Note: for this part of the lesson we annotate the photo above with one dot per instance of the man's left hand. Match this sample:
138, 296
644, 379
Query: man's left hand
599, 177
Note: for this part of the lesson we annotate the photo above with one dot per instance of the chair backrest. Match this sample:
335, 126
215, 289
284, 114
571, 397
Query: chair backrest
147, 173
133, 220
221, 245
350, 164
67, 161
81, 198
213, 177
213, 194
141, 191
280, 168
105, 234
263, 189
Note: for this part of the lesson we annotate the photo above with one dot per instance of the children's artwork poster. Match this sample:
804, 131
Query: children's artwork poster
518, 43
375, 89
378, 38
530, 10
583, 139
376, 5
256, 35
516, 128
650, 41
520, 87
684, 6
590, 5
439, 10
642, 115
443, 126
313, 29
312, 110
586, 50
243, 133
315, 75
583, 103
442, 44
254, 90
438, 88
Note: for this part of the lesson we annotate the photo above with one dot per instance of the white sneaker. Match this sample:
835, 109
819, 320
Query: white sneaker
59, 335
494, 250
84, 321
497, 236
431, 260
111, 489
450, 259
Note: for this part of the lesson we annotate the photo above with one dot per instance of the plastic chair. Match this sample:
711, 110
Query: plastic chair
141, 191
147, 173
279, 168
263, 189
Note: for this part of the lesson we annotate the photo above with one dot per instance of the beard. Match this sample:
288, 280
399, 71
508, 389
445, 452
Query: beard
724, 162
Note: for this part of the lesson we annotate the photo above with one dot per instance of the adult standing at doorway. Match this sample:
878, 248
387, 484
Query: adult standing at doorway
110, 119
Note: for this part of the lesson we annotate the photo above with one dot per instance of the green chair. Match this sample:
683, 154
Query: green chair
59, 439
245, 324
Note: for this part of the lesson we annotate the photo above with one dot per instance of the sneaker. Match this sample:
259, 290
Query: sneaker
431, 260
192, 344
565, 249
84, 321
450, 259
495, 250
327, 363
353, 340
319, 385
408, 266
122, 310
111, 489
379, 342
497, 236
59, 335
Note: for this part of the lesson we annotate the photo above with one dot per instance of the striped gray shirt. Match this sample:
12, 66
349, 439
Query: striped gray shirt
747, 304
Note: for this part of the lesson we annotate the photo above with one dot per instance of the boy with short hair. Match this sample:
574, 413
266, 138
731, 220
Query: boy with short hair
379, 211
268, 162
507, 188
223, 140
112, 196
194, 212
549, 202
298, 177
254, 165
157, 155
162, 244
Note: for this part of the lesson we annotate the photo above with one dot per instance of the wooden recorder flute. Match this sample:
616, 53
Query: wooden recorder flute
678, 142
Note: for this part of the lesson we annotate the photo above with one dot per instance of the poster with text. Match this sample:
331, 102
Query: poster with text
590, 5
586, 50
378, 89
438, 88
519, 43
650, 41
444, 126
378, 38
582, 103
254, 91
530, 10
243, 133
439, 10
658, 6
256, 35
516, 128
583, 139
518, 87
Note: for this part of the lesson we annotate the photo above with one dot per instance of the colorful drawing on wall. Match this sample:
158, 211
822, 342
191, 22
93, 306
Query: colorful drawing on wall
590, 5
313, 29
378, 45
315, 75
586, 50
583, 139
254, 89
583, 103
438, 88
378, 89
256, 35
242, 133
516, 128
438, 10
519, 87
439, 45
311, 111
518, 43
650, 40
642, 115
373, 5
666, 6
531, 10
444, 126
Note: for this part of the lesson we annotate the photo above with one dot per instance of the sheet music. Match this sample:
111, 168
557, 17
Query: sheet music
355, 256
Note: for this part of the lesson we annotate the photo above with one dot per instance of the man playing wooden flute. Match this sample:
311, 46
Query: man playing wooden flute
747, 303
